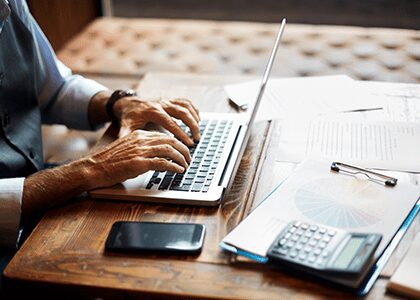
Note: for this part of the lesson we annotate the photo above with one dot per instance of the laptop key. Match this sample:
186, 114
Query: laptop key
196, 187
181, 188
165, 183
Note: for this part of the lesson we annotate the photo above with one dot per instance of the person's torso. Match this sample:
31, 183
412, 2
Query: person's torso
20, 120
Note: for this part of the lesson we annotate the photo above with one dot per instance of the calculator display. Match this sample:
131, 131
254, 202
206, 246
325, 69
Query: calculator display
348, 253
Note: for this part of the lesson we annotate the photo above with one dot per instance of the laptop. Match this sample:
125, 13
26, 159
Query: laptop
215, 159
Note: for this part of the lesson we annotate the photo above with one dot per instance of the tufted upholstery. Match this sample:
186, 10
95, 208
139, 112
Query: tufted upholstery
118, 51
136, 46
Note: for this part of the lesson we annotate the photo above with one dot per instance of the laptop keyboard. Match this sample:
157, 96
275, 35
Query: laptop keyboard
205, 158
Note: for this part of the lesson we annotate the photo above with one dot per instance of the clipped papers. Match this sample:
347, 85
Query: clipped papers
318, 195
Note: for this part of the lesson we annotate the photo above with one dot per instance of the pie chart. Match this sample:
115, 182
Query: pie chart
344, 202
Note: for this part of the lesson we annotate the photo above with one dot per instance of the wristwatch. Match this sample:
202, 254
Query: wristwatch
115, 96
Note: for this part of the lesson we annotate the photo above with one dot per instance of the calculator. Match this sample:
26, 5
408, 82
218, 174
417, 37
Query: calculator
323, 249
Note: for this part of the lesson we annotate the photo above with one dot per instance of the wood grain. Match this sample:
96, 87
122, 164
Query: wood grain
65, 253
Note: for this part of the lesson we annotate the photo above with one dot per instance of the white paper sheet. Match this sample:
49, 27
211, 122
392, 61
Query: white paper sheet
400, 101
374, 144
302, 96
315, 194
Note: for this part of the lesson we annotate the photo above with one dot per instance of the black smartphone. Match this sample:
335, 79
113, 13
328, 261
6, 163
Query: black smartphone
154, 237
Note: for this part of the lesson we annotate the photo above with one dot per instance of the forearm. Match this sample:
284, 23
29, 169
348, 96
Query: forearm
52, 187
96, 110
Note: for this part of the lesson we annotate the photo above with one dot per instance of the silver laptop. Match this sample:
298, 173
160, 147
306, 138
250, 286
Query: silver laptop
215, 159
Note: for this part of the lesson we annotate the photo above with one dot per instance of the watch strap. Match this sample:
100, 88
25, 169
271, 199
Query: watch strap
115, 96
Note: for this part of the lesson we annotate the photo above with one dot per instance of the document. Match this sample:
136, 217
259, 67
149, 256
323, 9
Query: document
302, 96
372, 144
401, 101
315, 194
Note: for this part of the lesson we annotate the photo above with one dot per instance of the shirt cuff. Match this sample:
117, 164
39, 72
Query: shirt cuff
11, 191
74, 98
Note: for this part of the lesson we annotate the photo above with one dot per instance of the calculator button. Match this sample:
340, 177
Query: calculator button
297, 224
325, 253
293, 253
299, 246
308, 249
295, 238
290, 244
322, 230
311, 259
292, 230
313, 228
304, 240
326, 239
322, 245
331, 232
287, 236
312, 243
302, 256
308, 234
299, 232
304, 226
320, 262
317, 236
280, 251
317, 251
282, 242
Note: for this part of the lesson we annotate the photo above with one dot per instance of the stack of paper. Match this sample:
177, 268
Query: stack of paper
371, 124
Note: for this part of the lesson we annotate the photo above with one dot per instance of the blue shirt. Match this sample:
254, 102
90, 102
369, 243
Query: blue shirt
63, 99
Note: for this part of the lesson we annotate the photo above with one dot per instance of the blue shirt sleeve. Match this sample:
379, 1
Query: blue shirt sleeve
63, 97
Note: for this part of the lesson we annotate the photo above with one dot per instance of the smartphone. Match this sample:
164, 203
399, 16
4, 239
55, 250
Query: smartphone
155, 237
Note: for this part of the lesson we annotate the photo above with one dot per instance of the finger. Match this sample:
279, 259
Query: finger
168, 152
161, 165
176, 144
185, 116
188, 106
162, 118
124, 131
183, 100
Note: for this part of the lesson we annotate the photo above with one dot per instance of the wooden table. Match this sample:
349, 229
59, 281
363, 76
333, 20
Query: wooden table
65, 253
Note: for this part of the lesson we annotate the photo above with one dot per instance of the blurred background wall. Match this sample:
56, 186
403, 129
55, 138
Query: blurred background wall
375, 13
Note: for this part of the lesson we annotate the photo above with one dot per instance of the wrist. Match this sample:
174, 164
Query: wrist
95, 172
97, 108
114, 104
82, 171
120, 106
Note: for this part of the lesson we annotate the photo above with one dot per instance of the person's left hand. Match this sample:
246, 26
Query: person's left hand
134, 114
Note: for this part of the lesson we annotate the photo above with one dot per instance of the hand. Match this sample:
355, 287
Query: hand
135, 114
136, 153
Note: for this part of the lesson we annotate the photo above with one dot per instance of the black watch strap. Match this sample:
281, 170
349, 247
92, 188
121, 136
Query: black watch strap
115, 96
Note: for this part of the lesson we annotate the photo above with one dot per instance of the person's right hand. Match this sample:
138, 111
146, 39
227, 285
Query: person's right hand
134, 154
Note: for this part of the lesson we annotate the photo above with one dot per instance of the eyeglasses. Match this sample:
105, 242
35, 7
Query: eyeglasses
370, 175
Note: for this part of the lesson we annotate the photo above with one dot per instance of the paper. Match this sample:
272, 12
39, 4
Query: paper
373, 144
400, 101
302, 96
315, 194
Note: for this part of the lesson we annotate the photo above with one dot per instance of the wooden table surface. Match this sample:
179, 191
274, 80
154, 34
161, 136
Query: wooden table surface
65, 253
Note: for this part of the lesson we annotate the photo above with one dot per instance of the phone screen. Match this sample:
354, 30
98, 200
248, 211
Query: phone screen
152, 236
